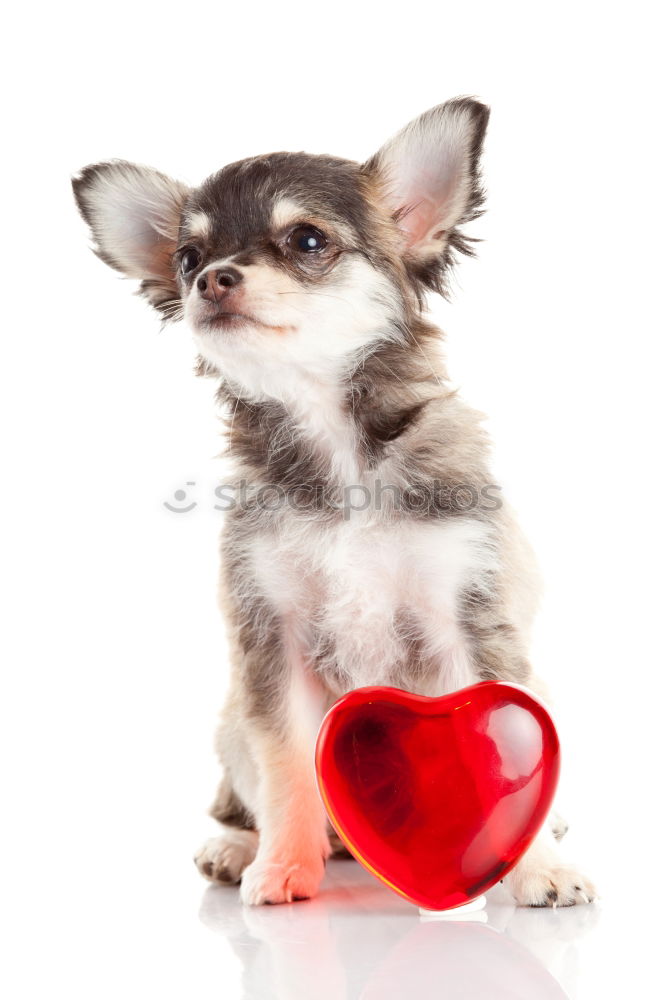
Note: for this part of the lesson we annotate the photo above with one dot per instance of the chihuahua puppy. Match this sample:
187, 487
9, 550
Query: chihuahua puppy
370, 546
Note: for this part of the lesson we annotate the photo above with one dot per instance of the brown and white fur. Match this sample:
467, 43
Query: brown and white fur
303, 279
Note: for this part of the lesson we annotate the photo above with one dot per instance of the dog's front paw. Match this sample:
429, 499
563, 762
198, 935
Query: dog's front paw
549, 884
281, 882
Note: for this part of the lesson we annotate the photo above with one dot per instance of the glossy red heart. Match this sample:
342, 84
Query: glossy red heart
438, 797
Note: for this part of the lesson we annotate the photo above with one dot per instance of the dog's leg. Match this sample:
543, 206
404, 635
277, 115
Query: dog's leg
280, 727
224, 858
293, 843
266, 745
541, 877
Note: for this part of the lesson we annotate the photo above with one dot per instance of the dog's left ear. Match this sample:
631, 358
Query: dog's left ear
429, 179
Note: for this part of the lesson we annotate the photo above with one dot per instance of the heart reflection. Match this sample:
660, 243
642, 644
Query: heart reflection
358, 940
460, 959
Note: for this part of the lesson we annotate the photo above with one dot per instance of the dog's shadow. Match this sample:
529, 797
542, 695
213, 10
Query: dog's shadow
358, 940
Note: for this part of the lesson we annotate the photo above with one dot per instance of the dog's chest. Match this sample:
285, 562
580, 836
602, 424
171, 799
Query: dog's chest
373, 602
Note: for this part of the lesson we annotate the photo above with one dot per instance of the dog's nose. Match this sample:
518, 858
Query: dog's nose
214, 285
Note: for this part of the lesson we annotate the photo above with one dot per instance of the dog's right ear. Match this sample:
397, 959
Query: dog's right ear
134, 215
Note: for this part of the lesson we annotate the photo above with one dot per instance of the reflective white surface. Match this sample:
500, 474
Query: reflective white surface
359, 940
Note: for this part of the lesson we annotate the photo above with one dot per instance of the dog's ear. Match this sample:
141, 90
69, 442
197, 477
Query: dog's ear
134, 214
429, 179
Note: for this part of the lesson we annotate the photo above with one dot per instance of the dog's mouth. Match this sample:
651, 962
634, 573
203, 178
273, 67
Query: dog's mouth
224, 320
228, 320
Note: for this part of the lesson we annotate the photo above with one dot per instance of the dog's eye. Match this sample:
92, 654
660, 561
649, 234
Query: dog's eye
190, 259
307, 239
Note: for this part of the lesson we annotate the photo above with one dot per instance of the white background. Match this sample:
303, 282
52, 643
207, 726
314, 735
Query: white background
114, 666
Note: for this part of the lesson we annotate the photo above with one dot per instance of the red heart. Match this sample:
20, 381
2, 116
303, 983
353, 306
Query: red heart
438, 797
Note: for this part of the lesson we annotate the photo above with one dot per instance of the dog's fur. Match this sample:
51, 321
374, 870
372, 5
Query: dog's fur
303, 279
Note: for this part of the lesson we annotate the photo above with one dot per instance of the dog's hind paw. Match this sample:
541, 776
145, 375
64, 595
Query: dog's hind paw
558, 825
225, 858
